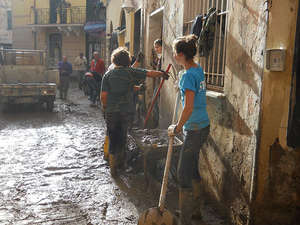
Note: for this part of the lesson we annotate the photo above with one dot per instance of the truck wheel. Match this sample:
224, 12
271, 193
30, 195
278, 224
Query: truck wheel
50, 105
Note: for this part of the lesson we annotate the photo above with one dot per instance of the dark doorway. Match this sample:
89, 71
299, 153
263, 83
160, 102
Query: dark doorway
53, 10
137, 32
55, 49
95, 11
95, 43
293, 137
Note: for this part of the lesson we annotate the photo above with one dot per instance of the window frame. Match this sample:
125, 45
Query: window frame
9, 19
214, 65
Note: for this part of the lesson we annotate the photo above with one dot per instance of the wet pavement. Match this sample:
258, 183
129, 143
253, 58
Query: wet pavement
52, 169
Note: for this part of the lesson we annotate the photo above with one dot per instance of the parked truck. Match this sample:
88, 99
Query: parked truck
24, 78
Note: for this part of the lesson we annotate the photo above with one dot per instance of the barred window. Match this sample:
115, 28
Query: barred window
9, 20
214, 64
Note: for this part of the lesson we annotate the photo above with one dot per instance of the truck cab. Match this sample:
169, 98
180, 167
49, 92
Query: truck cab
24, 78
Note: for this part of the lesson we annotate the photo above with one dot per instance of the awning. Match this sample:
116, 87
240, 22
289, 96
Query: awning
95, 27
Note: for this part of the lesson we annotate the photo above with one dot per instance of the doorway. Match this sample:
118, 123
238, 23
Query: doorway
55, 49
137, 32
53, 10
156, 32
293, 137
95, 43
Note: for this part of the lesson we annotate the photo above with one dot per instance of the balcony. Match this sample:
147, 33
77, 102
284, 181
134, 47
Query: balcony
67, 16
60, 16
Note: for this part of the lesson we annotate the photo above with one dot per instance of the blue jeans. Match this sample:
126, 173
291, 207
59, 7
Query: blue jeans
187, 169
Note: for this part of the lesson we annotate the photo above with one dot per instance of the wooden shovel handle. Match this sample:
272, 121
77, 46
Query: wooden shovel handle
162, 197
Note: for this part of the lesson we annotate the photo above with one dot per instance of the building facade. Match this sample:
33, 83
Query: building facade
5, 24
250, 164
60, 27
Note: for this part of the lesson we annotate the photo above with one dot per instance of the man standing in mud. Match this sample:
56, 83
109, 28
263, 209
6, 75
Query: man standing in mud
94, 78
81, 66
65, 71
118, 105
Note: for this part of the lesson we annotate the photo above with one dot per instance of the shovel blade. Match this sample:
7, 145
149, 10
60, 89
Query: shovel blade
154, 216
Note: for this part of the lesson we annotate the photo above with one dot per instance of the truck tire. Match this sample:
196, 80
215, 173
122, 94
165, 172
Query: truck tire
50, 105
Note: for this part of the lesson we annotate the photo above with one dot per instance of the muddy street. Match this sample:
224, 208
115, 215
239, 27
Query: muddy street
52, 170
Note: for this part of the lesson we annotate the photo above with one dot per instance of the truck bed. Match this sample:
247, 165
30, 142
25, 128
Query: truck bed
28, 89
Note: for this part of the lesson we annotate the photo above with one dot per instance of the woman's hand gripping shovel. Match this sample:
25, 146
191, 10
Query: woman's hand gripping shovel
159, 215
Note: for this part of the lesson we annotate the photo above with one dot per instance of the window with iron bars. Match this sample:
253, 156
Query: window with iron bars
214, 64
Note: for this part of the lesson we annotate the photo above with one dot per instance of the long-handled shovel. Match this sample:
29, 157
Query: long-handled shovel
155, 97
159, 215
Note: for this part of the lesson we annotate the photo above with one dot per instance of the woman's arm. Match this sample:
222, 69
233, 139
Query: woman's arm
154, 73
187, 110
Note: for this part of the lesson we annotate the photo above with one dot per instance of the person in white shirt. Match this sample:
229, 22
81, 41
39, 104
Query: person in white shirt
80, 65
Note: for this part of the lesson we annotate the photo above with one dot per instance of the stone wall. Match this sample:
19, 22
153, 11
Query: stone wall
229, 156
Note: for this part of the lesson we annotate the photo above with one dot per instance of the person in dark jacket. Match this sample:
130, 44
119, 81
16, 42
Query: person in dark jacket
65, 71
118, 105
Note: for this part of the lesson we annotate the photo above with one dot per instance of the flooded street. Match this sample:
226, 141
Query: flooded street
52, 169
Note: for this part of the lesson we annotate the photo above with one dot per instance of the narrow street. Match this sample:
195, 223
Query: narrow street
52, 170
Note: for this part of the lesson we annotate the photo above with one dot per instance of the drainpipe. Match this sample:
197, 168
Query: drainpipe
253, 188
143, 24
34, 31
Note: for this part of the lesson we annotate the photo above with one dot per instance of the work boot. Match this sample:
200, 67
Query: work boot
105, 148
185, 206
113, 165
197, 199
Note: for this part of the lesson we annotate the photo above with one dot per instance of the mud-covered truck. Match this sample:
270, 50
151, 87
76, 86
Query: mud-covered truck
24, 78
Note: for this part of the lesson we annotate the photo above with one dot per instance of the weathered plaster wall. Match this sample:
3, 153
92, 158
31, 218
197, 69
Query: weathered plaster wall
22, 36
172, 28
114, 13
278, 186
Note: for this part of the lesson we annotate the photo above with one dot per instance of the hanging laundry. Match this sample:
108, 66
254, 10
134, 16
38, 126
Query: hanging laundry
197, 25
207, 35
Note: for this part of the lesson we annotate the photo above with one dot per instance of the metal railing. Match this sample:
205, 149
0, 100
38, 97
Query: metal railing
71, 15
22, 57
214, 64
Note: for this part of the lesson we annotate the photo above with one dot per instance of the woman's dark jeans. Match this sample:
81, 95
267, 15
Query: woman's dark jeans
189, 157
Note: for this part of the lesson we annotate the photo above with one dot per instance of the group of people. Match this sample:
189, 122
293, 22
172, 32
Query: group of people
91, 79
117, 88
117, 102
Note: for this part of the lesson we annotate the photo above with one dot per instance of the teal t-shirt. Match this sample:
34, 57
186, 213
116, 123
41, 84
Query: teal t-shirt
193, 79
118, 83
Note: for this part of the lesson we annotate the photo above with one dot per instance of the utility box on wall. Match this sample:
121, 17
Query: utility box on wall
275, 59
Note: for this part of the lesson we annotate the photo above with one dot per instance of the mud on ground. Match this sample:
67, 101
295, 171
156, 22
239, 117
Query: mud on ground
52, 170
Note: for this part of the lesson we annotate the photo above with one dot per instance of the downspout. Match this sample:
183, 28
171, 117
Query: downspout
143, 30
254, 172
34, 31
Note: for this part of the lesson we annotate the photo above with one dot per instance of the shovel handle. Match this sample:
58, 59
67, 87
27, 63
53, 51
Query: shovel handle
155, 97
162, 197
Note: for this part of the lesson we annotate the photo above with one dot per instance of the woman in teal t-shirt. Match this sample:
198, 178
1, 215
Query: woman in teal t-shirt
194, 122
